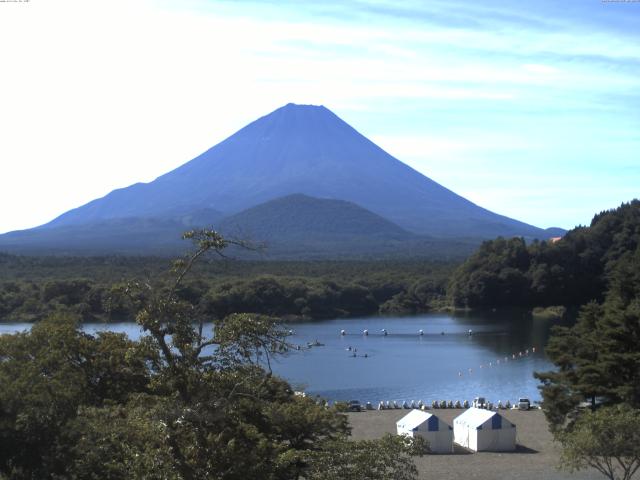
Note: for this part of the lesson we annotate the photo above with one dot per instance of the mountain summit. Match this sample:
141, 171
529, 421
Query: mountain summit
300, 149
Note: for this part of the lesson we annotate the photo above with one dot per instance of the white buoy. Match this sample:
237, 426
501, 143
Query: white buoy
420, 332
384, 332
365, 332
343, 332
470, 332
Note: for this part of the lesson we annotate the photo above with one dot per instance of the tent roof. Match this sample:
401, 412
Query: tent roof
474, 417
414, 418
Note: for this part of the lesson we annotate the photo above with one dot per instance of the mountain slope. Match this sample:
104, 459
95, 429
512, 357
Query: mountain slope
302, 227
130, 235
302, 149
292, 227
298, 217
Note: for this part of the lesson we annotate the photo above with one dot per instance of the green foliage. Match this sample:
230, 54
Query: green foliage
94, 289
607, 440
46, 375
599, 357
386, 459
194, 398
572, 271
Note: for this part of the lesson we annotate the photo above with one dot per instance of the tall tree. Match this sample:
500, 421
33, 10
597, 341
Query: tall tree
599, 357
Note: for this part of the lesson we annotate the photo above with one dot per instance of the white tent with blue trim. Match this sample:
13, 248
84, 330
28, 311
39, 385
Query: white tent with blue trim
484, 430
426, 425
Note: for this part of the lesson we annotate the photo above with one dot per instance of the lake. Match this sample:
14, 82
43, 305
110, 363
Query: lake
445, 363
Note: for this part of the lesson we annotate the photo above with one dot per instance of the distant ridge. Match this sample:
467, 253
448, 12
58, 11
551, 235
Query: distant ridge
297, 149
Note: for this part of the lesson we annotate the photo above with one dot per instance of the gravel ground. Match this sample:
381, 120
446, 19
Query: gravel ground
535, 458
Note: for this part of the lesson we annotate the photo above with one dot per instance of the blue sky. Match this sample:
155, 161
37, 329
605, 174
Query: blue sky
530, 109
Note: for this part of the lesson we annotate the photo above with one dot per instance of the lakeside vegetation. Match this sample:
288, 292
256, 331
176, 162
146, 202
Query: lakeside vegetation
175, 405
543, 276
570, 272
159, 409
95, 287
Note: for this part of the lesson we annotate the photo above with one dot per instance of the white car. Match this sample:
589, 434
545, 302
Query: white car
524, 404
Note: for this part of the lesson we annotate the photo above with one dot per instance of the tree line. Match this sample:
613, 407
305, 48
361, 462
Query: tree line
299, 290
570, 272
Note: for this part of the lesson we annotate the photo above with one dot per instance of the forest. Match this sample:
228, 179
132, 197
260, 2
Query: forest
571, 272
501, 273
168, 406
94, 288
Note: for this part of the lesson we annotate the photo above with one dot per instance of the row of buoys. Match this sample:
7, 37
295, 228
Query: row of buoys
503, 360
384, 332
438, 404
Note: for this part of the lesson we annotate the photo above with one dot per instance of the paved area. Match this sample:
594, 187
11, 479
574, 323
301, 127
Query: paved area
536, 457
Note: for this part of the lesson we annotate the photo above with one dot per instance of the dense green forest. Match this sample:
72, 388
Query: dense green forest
571, 272
598, 358
592, 398
95, 287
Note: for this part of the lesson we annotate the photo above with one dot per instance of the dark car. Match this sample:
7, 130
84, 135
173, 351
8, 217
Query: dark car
354, 406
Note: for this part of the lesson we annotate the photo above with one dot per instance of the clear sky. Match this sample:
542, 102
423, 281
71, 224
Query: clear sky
528, 108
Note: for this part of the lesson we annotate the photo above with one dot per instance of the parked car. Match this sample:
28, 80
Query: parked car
479, 402
354, 406
524, 404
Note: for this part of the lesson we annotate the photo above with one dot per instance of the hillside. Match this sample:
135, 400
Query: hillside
295, 149
302, 218
129, 235
572, 271
298, 227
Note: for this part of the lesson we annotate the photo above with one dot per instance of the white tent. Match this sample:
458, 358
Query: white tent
483, 430
428, 426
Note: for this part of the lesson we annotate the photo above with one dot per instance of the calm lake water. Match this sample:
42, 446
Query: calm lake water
404, 365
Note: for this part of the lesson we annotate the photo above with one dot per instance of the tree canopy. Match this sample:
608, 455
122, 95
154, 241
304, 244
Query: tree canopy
194, 398
571, 271
607, 440
598, 358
